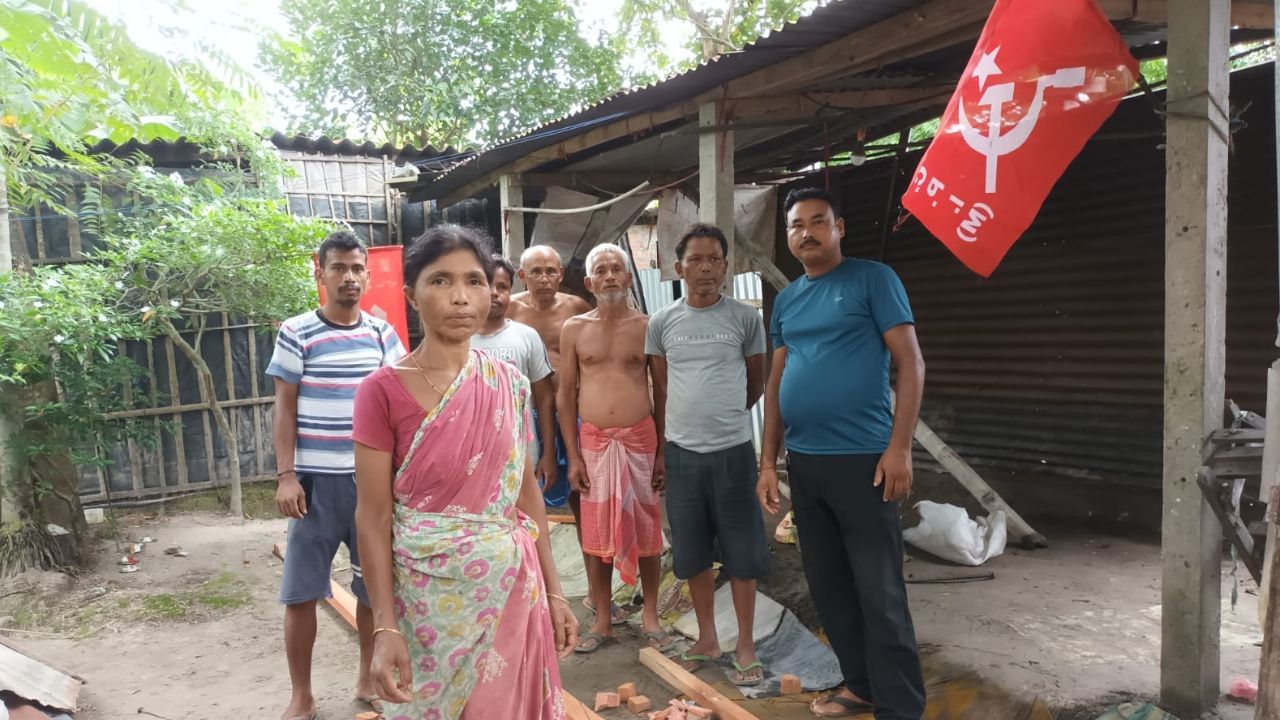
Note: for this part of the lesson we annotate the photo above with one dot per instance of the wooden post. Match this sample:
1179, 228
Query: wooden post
1269, 672
1271, 446
1194, 346
715, 180
1270, 479
511, 194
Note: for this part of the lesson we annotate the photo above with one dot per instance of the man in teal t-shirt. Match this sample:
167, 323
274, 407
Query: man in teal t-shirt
834, 332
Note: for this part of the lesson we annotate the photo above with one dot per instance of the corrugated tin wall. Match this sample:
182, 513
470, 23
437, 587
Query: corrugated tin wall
1055, 363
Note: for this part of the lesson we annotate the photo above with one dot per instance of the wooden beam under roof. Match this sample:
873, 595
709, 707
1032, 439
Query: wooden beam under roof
642, 122
928, 27
607, 180
810, 103
1244, 15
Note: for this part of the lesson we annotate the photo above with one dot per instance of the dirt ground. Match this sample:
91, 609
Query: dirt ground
1076, 626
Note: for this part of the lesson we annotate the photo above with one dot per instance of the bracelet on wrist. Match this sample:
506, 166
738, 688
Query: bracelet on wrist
561, 598
387, 629
282, 473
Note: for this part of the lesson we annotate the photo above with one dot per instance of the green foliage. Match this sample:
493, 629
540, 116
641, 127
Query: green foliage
163, 607
1154, 71
244, 256
434, 72
710, 29
185, 252
72, 77
63, 324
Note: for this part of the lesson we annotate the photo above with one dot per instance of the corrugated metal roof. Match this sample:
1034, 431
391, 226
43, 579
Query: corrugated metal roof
330, 146
825, 24
185, 151
830, 22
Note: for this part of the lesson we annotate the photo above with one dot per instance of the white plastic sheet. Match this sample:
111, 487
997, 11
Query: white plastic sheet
755, 217
574, 235
948, 532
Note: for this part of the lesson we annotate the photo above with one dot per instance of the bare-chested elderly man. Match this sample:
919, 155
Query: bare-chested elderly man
615, 459
544, 308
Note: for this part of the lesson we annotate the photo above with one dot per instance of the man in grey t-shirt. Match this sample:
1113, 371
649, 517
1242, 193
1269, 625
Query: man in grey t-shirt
708, 354
521, 346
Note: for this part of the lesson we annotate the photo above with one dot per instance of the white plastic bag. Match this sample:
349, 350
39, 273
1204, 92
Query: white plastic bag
948, 532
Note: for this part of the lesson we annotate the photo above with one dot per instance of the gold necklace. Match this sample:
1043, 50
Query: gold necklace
423, 372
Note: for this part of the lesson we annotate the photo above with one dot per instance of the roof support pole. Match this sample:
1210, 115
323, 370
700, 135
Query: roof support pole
1194, 348
1269, 675
715, 179
511, 194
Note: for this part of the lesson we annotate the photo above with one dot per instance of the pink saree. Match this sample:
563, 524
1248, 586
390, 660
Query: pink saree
469, 592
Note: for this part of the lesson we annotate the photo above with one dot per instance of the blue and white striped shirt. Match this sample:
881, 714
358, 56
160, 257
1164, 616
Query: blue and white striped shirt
327, 362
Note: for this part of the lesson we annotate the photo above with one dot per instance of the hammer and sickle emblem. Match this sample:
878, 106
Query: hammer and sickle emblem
995, 144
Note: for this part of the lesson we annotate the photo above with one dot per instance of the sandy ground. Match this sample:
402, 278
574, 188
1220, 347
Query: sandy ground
199, 637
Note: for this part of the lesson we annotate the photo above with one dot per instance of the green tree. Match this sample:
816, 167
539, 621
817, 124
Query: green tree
236, 257
59, 329
712, 28
432, 72
71, 77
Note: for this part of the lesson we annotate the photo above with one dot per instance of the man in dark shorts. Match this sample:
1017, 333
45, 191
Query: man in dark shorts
707, 352
834, 331
320, 358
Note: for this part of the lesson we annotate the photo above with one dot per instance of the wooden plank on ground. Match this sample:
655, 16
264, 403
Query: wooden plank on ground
343, 601
33, 680
685, 682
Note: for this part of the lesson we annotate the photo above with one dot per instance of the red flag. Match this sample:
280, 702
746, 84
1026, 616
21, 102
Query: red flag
1042, 79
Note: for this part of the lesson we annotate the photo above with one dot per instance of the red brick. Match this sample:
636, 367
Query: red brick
607, 700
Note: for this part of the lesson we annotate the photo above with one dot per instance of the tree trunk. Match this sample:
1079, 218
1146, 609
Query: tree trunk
58, 501
11, 475
209, 394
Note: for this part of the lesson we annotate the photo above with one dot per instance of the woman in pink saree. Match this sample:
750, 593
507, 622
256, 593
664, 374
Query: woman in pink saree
468, 612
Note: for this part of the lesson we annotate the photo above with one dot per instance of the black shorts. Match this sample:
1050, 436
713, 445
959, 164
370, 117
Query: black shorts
712, 506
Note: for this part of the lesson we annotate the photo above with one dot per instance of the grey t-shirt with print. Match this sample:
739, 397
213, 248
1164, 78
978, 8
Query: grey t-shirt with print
521, 346
706, 351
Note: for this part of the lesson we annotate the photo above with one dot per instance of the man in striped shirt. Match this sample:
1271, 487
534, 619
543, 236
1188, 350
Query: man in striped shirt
320, 358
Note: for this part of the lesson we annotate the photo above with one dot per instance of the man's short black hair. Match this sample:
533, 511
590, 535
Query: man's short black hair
340, 241
501, 263
701, 230
809, 193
